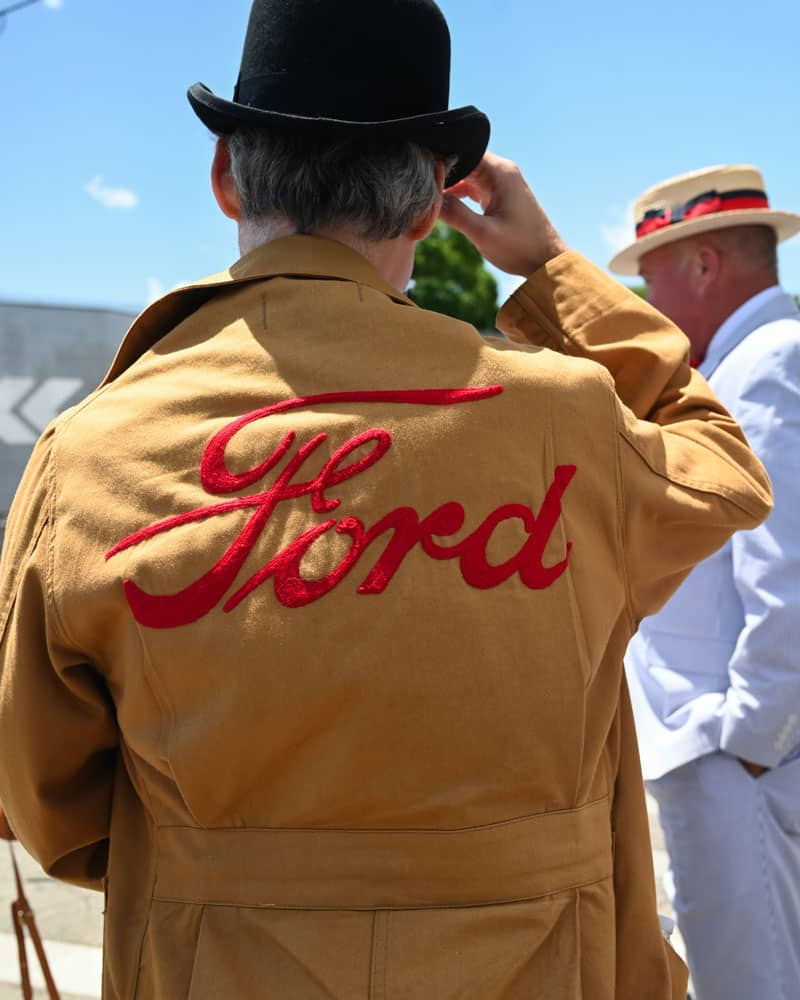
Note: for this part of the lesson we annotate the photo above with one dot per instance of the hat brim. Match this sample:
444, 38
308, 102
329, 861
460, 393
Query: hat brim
463, 133
626, 262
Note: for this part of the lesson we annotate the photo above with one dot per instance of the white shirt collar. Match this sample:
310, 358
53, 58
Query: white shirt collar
725, 337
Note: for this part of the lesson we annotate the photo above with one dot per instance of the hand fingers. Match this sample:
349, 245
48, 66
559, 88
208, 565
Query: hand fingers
456, 214
513, 232
488, 181
463, 190
478, 185
468, 189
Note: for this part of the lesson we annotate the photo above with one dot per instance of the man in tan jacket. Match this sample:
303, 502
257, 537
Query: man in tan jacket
312, 617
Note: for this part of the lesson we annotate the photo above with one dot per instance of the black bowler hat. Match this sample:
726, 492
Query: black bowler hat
350, 68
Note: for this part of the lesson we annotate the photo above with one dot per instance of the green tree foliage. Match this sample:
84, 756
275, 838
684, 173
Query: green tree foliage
450, 277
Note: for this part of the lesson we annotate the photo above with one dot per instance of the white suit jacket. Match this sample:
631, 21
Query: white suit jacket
718, 668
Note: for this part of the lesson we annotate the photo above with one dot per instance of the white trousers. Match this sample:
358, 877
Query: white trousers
734, 848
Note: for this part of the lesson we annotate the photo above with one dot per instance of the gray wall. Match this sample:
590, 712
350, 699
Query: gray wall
50, 357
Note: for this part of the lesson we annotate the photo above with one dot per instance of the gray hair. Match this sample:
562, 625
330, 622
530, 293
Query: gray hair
754, 247
378, 189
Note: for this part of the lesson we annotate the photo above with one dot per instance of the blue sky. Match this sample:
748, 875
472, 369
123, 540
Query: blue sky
104, 195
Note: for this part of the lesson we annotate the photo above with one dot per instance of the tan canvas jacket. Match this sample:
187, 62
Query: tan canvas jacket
312, 624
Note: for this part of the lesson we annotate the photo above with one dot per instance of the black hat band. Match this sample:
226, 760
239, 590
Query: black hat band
353, 100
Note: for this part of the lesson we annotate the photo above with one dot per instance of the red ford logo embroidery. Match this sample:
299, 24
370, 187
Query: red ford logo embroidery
404, 523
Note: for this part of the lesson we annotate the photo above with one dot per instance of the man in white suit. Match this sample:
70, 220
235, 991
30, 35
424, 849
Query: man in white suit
715, 675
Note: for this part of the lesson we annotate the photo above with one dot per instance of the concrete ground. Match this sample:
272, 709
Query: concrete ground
71, 922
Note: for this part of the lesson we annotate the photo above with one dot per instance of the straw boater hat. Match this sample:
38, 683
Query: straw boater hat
350, 69
713, 198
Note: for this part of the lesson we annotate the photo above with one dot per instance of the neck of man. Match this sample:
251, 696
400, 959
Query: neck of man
392, 259
729, 298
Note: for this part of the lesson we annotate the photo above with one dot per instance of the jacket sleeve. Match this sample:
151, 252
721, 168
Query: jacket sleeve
687, 477
58, 733
760, 717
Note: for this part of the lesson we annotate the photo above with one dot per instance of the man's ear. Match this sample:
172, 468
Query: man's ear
222, 183
424, 225
705, 268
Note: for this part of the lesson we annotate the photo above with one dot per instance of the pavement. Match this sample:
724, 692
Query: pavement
70, 921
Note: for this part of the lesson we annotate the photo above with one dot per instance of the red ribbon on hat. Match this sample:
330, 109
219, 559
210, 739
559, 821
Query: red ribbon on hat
709, 203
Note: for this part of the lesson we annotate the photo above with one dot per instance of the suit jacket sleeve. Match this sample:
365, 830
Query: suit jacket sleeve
686, 475
761, 718
58, 734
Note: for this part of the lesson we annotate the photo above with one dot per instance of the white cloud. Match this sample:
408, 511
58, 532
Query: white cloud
54, 4
111, 197
155, 289
621, 231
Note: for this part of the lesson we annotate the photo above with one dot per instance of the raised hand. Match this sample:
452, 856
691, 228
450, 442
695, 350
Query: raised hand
513, 233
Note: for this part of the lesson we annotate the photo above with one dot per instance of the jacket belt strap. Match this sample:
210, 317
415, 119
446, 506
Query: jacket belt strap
386, 869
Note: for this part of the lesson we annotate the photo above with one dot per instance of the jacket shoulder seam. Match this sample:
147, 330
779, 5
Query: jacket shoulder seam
689, 482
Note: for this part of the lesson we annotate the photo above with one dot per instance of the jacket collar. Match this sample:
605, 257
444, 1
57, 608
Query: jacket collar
766, 307
291, 256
